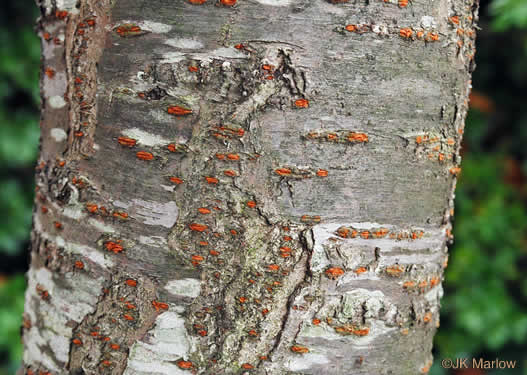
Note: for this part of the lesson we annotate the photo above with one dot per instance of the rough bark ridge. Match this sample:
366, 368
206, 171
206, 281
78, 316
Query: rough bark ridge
262, 186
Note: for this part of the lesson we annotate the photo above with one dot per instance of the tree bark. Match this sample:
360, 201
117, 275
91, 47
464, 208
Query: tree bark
261, 188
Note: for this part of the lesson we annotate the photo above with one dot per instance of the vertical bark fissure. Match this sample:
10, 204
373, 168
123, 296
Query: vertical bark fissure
306, 252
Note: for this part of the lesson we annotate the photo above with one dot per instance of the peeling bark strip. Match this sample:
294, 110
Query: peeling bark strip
256, 187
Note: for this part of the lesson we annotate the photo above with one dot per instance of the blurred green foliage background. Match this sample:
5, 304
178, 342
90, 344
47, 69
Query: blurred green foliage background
484, 310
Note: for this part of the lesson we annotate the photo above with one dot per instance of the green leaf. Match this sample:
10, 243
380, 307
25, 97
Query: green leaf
11, 309
508, 14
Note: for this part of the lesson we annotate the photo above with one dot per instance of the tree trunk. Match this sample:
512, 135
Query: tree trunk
261, 187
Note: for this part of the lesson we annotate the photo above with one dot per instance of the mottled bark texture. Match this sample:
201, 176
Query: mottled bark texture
260, 187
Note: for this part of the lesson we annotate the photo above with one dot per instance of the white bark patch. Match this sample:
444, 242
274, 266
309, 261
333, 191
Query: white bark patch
74, 212
306, 361
324, 331
184, 287
89, 252
145, 138
355, 301
77, 304
155, 213
58, 134
35, 338
54, 313
275, 3
434, 295
230, 53
153, 27
55, 86
350, 277
173, 57
167, 187
380, 29
184, 43
69, 5
48, 49
219, 53
321, 233
121, 204
166, 342
428, 22
432, 242
315, 337
387, 260
56, 101
101, 225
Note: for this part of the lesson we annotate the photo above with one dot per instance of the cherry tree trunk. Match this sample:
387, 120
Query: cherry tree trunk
260, 187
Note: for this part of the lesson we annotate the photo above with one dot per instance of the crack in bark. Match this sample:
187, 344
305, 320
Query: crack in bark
307, 251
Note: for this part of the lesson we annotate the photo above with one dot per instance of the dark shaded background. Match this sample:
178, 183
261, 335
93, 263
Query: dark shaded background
484, 311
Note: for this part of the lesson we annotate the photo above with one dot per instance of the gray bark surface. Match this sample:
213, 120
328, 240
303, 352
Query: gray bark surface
263, 188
